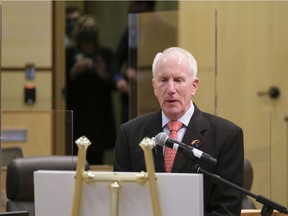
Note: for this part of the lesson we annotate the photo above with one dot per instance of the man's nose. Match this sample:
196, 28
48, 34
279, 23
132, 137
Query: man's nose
171, 87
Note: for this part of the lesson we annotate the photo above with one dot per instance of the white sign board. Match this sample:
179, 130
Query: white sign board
179, 194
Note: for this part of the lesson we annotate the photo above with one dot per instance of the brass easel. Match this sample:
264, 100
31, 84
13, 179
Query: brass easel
147, 145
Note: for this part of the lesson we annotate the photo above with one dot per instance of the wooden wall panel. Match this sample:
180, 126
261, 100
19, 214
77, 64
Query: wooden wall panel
26, 33
244, 48
13, 91
38, 127
27, 38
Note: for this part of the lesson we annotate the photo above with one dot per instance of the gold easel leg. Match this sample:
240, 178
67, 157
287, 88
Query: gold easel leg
81, 176
147, 144
82, 144
114, 196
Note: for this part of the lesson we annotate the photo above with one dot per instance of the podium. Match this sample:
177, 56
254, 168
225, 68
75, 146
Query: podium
86, 193
179, 194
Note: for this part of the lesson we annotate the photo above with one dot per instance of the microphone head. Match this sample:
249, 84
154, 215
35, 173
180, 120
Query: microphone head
161, 138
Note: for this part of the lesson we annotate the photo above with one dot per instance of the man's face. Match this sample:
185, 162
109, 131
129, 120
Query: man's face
174, 85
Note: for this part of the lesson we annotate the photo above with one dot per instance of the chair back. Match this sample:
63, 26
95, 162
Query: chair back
20, 178
247, 203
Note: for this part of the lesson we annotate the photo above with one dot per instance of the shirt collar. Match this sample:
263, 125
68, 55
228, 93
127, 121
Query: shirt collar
184, 119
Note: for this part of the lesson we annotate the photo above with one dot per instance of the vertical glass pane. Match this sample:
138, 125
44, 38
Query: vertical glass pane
149, 34
2, 174
30, 135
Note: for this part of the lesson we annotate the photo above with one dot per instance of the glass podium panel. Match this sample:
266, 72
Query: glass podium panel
29, 136
33, 131
149, 33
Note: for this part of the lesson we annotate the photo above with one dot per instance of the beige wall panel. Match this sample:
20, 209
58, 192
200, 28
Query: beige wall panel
38, 127
26, 38
277, 68
155, 32
13, 91
197, 34
26, 33
251, 57
249, 52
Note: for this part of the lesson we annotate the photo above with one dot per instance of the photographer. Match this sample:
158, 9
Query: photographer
89, 89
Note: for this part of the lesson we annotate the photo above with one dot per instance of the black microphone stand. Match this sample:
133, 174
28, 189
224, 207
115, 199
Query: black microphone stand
268, 205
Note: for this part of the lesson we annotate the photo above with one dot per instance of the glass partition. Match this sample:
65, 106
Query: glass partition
31, 134
149, 33
32, 131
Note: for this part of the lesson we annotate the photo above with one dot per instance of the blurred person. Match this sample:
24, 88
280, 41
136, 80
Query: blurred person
175, 82
72, 15
89, 89
120, 59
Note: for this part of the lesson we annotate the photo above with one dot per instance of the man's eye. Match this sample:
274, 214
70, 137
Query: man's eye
178, 80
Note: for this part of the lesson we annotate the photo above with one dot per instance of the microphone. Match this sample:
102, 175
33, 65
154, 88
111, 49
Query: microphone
163, 139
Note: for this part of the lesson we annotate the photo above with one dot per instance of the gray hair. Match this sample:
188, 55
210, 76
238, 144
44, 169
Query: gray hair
180, 53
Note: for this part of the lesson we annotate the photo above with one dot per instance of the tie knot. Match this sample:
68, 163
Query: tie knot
174, 125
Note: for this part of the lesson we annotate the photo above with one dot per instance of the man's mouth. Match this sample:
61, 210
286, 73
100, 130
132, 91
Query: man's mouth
171, 101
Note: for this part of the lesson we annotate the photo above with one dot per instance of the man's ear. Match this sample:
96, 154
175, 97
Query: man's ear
195, 84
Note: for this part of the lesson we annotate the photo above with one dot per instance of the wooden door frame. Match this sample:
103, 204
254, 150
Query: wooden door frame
58, 62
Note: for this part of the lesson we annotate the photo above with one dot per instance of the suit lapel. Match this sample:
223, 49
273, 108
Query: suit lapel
152, 128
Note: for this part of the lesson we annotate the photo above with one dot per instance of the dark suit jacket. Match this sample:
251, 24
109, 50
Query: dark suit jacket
218, 137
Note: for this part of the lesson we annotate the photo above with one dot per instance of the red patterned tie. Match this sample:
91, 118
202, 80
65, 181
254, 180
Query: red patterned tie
174, 127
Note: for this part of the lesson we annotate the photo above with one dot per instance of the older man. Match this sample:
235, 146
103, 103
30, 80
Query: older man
175, 82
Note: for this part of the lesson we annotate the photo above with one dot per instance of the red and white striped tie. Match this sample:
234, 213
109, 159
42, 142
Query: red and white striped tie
169, 155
